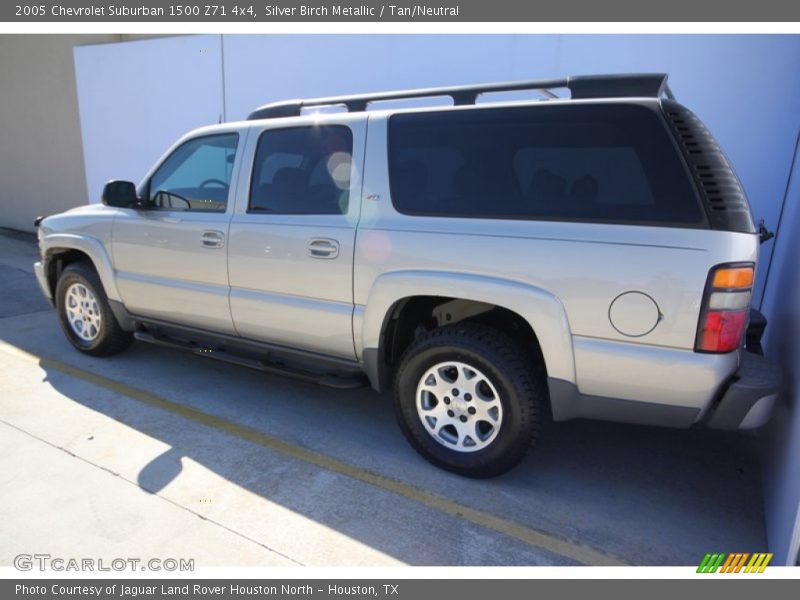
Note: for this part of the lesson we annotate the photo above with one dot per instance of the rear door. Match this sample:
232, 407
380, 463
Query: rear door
291, 239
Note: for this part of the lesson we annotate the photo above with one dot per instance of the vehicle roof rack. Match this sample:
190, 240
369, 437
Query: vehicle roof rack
586, 86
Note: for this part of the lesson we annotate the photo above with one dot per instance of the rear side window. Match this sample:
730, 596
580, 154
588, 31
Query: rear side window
302, 171
610, 163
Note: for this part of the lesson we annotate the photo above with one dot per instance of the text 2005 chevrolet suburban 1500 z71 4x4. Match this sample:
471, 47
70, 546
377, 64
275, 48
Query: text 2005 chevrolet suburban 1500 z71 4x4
495, 264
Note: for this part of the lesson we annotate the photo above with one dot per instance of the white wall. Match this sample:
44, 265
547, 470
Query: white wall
136, 98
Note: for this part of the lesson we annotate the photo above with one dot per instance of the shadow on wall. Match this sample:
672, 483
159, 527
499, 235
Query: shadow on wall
782, 299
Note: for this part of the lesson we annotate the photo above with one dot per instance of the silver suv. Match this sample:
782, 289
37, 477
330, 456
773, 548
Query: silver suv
496, 264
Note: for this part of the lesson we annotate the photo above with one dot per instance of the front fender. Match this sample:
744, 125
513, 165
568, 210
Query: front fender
53, 243
541, 309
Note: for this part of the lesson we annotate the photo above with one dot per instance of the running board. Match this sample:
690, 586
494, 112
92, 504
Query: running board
341, 382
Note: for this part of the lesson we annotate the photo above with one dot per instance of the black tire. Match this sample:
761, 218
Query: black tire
111, 338
514, 373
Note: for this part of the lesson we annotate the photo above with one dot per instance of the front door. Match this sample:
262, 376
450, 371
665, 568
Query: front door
170, 259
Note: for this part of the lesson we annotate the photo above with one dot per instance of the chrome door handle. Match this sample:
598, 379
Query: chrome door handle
213, 239
323, 248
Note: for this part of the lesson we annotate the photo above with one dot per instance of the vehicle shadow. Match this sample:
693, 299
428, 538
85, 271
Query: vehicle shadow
648, 495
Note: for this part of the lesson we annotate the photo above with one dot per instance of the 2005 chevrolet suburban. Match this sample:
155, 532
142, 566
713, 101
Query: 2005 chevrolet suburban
588, 254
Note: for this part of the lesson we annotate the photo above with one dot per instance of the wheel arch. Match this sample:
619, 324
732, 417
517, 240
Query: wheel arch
61, 250
530, 307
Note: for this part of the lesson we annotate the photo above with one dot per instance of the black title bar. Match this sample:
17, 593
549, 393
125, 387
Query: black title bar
49, 11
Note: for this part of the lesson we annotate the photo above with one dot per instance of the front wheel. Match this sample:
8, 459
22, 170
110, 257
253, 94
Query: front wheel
470, 399
85, 314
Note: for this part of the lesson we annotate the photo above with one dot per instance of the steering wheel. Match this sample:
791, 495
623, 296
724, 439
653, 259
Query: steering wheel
208, 182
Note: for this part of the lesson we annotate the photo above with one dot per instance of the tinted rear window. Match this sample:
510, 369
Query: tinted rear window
605, 163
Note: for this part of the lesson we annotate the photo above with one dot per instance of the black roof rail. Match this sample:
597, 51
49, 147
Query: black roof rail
586, 86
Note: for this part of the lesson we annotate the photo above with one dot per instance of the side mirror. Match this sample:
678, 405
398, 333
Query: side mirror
121, 194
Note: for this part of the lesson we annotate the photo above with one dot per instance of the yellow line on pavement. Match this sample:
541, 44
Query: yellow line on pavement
569, 549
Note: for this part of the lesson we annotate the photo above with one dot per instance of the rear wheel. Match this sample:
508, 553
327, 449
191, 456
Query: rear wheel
470, 399
85, 314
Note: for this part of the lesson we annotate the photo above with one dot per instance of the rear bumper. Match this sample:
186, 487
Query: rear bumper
749, 398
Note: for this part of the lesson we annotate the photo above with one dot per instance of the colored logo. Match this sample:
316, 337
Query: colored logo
735, 562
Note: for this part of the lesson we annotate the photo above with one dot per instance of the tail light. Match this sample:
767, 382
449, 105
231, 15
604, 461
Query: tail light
726, 307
